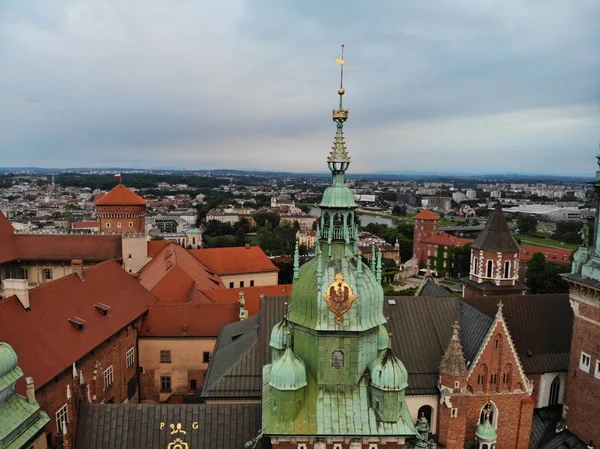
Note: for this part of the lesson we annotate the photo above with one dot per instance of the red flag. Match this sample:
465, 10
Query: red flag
118, 175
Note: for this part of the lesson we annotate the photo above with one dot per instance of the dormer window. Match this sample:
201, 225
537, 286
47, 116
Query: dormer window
78, 323
102, 308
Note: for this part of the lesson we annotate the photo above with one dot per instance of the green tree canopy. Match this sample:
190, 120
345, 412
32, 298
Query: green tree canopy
527, 224
543, 277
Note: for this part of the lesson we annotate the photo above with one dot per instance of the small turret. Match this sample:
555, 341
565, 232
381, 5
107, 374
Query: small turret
389, 379
288, 379
485, 433
279, 336
383, 339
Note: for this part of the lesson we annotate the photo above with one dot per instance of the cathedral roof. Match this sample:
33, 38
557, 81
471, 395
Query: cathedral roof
288, 372
496, 236
120, 195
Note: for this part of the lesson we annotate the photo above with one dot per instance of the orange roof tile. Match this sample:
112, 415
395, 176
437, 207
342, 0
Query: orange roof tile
188, 320
174, 273
84, 224
425, 214
47, 343
156, 246
445, 239
120, 196
251, 295
235, 260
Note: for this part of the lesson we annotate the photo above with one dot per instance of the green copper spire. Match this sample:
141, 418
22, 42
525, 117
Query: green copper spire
296, 262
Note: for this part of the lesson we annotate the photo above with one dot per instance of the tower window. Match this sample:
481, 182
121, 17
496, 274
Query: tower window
131, 224
585, 362
454, 413
507, 269
118, 224
337, 360
108, 225
475, 265
490, 268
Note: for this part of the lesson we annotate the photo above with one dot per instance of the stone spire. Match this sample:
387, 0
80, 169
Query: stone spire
496, 236
453, 362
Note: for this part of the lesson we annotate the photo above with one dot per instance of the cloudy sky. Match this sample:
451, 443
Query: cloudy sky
470, 86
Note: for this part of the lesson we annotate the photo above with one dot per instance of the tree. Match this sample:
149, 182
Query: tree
542, 276
568, 231
527, 224
399, 210
460, 264
262, 217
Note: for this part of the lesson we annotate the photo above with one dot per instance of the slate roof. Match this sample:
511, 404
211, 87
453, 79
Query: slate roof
235, 260
421, 330
120, 195
241, 351
430, 288
496, 236
137, 426
543, 431
52, 304
540, 326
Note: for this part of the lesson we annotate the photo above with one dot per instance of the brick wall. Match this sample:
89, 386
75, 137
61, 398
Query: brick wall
52, 396
583, 412
123, 215
338, 444
422, 230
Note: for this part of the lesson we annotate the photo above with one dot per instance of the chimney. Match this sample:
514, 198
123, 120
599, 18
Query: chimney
247, 245
77, 266
19, 288
30, 387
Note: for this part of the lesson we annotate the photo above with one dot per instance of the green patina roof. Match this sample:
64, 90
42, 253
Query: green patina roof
383, 338
288, 372
20, 419
279, 334
193, 231
388, 373
486, 431
309, 307
338, 196
332, 411
8, 358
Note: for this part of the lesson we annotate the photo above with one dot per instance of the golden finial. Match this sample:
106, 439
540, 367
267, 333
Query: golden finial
341, 62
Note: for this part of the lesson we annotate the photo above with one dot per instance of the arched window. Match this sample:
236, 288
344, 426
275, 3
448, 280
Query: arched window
493, 414
507, 269
554, 391
337, 360
484, 375
490, 268
426, 411
475, 265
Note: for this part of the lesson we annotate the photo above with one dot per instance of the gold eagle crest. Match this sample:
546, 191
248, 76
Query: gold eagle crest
339, 297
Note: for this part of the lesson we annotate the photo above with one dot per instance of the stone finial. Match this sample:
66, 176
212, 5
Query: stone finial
74, 371
453, 362
499, 314
81, 381
88, 393
69, 392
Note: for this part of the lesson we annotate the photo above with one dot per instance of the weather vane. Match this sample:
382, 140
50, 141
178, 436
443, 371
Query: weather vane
341, 62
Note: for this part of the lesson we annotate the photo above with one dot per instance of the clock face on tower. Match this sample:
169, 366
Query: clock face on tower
339, 297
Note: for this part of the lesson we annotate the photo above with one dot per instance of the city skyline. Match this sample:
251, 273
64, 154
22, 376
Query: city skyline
467, 87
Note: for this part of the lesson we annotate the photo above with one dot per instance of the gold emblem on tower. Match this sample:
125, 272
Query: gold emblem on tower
339, 297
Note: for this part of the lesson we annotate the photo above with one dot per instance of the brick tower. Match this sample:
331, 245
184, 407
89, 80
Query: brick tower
582, 407
426, 225
494, 261
121, 211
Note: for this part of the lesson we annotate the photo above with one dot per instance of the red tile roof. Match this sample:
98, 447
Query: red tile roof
235, 260
58, 247
46, 342
120, 196
174, 275
188, 320
425, 214
554, 255
7, 236
156, 246
445, 239
251, 295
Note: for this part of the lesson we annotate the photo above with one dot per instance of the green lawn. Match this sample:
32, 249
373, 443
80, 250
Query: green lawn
527, 239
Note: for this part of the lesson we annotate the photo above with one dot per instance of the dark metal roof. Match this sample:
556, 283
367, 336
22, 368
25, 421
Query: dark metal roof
235, 369
496, 236
430, 288
540, 327
421, 329
138, 426
543, 431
